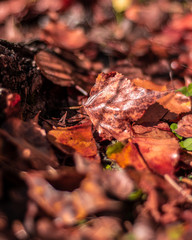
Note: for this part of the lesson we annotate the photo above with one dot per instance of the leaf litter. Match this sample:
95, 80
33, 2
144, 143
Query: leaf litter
95, 120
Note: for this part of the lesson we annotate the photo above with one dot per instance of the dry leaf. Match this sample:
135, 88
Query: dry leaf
129, 156
54, 69
160, 154
68, 207
79, 138
115, 101
63, 71
176, 102
59, 35
150, 148
184, 127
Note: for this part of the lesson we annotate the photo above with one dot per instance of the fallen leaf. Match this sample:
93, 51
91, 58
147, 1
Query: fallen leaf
150, 16
9, 104
161, 155
184, 126
54, 69
30, 148
163, 200
129, 156
59, 35
63, 71
79, 138
151, 148
176, 102
115, 102
68, 207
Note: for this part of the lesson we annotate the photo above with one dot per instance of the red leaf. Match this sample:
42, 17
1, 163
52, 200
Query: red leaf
151, 148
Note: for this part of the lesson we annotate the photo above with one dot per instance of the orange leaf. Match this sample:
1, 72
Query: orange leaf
78, 137
176, 102
153, 148
129, 156
58, 34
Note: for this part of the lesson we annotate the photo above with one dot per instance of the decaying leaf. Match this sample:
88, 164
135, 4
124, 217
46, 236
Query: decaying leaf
63, 72
128, 156
54, 69
79, 138
115, 101
184, 127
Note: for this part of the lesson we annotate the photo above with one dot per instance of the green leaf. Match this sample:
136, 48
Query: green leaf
135, 195
190, 89
187, 144
108, 167
173, 127
114, 148
183, 90
187, 91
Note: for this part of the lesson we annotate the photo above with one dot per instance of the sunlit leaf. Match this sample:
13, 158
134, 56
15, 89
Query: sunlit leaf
115, 101
187, 91
174, 127
187, 144
78, 138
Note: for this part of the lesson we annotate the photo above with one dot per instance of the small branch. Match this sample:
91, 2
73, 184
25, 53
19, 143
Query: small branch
177, 187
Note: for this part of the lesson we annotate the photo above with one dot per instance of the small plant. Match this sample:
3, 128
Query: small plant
187, 91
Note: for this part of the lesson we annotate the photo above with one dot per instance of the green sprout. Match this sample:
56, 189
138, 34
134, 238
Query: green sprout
114, 148
187, 91
187, 144
173, 127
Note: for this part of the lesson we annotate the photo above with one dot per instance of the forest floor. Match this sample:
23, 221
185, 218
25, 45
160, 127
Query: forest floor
95, 120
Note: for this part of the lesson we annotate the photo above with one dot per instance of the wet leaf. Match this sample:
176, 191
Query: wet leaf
79, 138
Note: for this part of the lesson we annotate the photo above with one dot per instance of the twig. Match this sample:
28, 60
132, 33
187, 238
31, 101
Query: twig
177, 187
